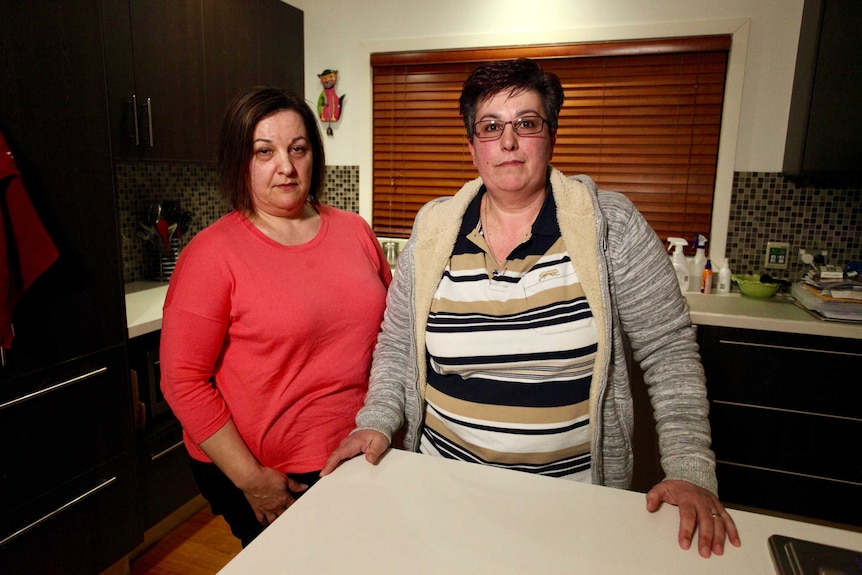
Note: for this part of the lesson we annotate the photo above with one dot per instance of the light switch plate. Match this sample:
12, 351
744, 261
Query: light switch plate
777, 255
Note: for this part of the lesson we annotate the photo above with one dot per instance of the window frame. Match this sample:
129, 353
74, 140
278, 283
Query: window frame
462, 169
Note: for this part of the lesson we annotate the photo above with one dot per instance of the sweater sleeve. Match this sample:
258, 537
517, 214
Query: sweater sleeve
390, 369
655, 318
194, 324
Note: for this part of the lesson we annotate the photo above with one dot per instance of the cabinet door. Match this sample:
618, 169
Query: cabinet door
165, 473
59, 423
782, 409
246, 44
231, 39
53, 115
80, 528
169, 79
282, 42
67, 481
154, 61
823, 134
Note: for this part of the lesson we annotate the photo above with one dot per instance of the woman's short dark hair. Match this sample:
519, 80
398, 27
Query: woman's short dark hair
236, 142
514, 76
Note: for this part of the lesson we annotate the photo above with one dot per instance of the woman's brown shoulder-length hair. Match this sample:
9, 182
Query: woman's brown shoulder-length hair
236, 142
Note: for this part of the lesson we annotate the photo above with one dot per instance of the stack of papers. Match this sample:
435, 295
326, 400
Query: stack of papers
836, 300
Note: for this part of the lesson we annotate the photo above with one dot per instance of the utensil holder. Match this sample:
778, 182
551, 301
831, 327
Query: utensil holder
162, 263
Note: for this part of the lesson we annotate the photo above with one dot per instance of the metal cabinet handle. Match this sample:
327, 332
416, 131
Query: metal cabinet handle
59, 510
54, 387
161, 454
785, 410
150, 119
135, 118
787, 347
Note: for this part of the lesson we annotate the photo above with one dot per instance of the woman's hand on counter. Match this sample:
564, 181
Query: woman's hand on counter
699, 510
372, 443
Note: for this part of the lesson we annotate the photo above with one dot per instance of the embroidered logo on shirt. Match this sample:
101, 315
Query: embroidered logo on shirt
549, 274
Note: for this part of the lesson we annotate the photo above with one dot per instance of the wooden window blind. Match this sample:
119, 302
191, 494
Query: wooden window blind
642, 118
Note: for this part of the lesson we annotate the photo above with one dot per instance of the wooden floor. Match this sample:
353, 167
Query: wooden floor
200, 546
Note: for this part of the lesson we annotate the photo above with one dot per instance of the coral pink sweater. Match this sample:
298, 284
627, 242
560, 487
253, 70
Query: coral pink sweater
285, 332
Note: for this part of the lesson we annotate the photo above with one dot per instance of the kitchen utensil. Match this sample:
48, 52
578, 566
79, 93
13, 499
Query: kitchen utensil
162, 227
154, 213
751, 286
171, 211
185, 221
146, 232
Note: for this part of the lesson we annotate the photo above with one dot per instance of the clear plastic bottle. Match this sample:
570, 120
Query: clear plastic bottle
724, 278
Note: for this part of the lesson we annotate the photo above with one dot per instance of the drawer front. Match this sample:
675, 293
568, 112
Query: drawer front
66, 422
166, 477
81, 527
788, 371
793, 442
790, 493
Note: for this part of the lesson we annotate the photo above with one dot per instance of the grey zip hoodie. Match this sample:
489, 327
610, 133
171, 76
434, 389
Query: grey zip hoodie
634, 296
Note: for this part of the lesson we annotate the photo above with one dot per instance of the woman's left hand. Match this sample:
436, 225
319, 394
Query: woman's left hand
699, 510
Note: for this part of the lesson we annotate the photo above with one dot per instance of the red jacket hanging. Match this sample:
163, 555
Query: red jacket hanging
26, 249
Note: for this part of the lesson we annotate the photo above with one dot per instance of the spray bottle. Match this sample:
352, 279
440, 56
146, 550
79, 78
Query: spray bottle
695, 273
679, 264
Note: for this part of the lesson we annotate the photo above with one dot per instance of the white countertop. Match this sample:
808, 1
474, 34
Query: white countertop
421, 514
778, 313
144, 302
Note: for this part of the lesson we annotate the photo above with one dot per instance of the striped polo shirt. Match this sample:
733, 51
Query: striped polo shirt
510, 355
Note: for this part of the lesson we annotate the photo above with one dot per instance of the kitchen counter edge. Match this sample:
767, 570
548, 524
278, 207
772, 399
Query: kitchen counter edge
145, 299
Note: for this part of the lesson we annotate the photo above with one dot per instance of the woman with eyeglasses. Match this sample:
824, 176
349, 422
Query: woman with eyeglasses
503, 337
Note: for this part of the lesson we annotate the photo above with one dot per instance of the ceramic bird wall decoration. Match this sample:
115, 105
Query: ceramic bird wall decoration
329, 103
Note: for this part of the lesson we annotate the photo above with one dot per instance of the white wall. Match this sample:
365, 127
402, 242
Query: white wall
341, 34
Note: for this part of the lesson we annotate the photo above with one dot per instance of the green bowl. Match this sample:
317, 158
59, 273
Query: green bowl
751, 286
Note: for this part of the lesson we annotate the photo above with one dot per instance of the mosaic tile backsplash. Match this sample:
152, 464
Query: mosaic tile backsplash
768, 207
194, 186
764, 207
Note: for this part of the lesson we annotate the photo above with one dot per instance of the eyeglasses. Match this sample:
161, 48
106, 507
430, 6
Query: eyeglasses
488, 130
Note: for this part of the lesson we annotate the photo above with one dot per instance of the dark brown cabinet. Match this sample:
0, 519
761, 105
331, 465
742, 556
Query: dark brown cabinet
70, 461
156, 78
281, 45
164, 467
164, 471
824, 133
54, 117
174, 65
67, 470
786, 421
68, 483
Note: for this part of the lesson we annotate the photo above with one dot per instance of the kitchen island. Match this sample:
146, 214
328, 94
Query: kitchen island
780, 386
419, 514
